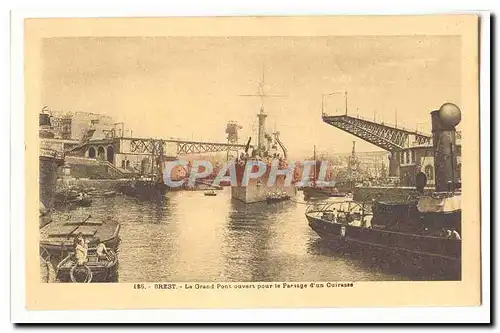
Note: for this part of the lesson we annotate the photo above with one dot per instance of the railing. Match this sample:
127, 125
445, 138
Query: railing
343, 206
387, 137
383, 123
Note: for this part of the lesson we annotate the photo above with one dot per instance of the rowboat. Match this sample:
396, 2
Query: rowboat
276, 197
211, 193
57, 237
95, 269
73, 198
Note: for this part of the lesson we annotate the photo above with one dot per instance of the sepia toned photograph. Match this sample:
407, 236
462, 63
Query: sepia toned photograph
244, 162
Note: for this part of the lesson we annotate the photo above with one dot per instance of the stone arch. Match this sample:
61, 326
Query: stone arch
110, 154
91, 152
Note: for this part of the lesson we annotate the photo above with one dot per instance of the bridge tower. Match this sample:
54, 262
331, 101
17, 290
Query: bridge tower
232, 128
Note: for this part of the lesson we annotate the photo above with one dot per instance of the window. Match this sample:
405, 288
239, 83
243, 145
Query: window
91, 152
429, 172
407, 154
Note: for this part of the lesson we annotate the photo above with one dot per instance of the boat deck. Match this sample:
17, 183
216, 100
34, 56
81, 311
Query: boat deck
62, 233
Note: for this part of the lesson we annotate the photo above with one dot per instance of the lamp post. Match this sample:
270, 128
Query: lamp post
323, 96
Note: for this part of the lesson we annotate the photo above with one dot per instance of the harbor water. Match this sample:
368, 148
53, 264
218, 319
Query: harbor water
189, 237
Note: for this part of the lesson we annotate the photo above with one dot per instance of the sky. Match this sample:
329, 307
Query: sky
189, 87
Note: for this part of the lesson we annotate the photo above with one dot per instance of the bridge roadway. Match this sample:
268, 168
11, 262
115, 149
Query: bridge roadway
390, 138
387, 137
183, 147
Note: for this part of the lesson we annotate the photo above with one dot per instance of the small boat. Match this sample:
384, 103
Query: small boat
315, 192
57, 236
145, 188
84, 202
210, 193
95, 269
73, 197
277, 197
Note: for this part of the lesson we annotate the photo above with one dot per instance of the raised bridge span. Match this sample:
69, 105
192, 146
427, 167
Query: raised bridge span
388, 137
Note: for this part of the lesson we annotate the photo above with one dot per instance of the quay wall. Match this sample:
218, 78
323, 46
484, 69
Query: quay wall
101, 184
386, 193
82, 167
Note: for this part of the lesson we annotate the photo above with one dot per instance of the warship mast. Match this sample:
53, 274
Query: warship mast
262, 115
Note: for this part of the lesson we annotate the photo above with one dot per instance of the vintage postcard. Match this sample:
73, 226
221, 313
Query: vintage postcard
252, 162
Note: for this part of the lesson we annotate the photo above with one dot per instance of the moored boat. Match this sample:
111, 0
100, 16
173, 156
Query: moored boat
150, 186
97, 268
57, 237
354, 223
323, 192
210, 193
315, 190
73, 198
424, 226
274, 197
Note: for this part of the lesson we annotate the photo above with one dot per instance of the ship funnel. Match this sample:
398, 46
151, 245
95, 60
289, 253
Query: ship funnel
444, 121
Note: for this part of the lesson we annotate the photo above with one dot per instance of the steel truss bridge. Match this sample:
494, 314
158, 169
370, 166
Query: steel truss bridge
387, 137
153, 146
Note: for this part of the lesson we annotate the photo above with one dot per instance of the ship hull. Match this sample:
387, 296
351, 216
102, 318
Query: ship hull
145, 190
397, 214
315, 192
385, 240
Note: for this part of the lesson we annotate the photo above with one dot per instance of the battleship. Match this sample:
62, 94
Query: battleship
266, 151
427, 226
258, 190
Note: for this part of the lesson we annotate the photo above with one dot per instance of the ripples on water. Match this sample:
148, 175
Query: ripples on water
189, 237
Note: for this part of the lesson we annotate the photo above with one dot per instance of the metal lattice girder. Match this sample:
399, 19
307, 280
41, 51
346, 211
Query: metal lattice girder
148, 146
196, 147
383, 136
145, 145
